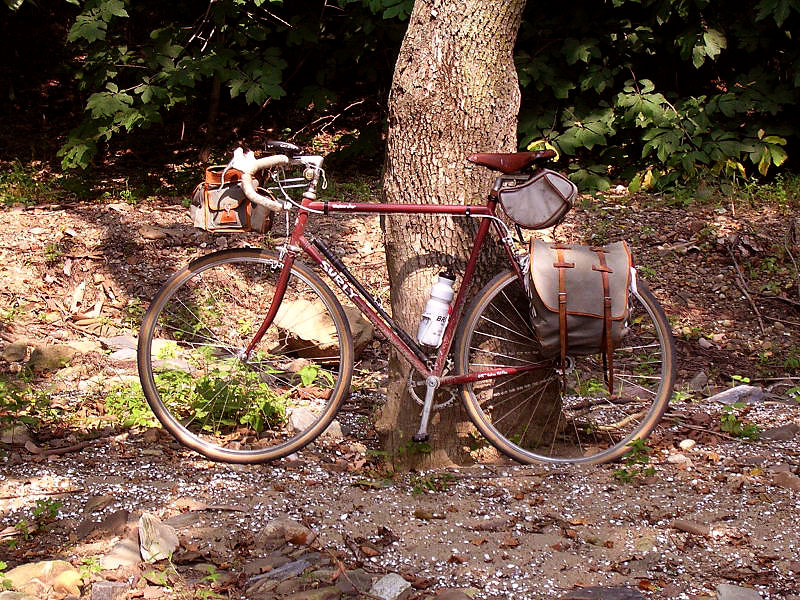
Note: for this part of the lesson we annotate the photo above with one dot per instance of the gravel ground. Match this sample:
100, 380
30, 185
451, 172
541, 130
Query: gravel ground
716, 513
721, 511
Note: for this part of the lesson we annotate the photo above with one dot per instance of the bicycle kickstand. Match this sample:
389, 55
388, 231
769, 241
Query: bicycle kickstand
431, 385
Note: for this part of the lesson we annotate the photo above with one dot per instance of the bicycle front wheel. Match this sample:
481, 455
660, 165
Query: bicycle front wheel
221, 403
553, 415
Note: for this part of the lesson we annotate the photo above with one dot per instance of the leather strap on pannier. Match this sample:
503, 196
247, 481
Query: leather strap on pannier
608, 342
561, 265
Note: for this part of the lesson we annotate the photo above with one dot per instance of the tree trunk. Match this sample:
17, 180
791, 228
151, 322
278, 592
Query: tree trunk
455, 91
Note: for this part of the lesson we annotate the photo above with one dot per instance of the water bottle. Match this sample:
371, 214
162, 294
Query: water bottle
437, 311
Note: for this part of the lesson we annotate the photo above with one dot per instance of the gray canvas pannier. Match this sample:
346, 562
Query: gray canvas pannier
579, 298
538, 202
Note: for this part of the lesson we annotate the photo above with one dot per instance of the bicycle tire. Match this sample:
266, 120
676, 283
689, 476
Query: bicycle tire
545, 416
191, 364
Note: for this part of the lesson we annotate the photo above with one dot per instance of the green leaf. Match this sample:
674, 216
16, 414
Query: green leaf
778, 155
87, 27
636, 184
106, 104
774, 139
766, 158
562, 88
580, 50
715, 43
590, 179
779, 9
112, 8
698, 56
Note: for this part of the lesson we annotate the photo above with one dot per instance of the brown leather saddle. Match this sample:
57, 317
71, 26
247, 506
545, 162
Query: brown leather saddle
511, 162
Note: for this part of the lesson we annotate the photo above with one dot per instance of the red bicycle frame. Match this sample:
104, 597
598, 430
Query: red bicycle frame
356, 293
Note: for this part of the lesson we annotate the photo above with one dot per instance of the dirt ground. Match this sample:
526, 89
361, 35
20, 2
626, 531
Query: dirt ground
715, 510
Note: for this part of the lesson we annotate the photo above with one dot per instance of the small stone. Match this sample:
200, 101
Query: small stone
108, 590
687, 444
51, 358
741, 393
15, 352
603, 593
679, 459
118, 342
356, 580
310, 332
699, 382
726, 591
84, 346
57, 576
15, 435
157, 541
782, 433
286, 530
289, 586
326, 593
391, 587
704, 344
123, 554
334, 431
786, 480
152, 233
123, 355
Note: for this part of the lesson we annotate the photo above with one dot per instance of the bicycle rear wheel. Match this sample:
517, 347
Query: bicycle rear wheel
199, 384
549, 416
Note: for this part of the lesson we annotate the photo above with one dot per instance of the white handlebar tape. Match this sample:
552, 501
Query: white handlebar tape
268, 162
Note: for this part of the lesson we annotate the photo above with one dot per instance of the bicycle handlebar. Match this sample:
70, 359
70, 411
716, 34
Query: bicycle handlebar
268, 162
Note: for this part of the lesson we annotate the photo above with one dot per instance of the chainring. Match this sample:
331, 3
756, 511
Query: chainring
417, 388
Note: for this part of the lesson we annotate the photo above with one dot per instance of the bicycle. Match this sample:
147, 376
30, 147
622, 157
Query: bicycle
241, 386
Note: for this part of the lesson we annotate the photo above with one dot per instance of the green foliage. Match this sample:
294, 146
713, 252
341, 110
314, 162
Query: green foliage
649, 92
430, 483
5, 582
90, 566
656, 92
20, 184
46, 510
135, 75
794, 393
731, 423
127, 404
21, 404
636, 461
223, 398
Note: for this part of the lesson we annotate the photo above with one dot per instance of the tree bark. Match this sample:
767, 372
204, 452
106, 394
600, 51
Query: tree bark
455, 91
